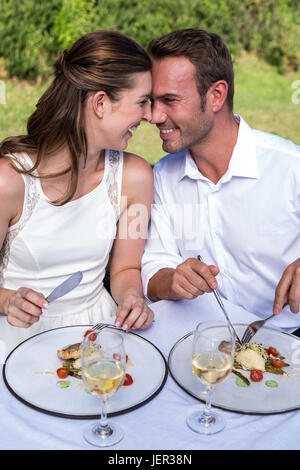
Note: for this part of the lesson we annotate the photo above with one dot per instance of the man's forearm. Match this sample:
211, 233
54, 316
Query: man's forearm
160, 286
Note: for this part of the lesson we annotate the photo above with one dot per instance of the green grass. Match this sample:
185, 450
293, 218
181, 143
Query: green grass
262, 96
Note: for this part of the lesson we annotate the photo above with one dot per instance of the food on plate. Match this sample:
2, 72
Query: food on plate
128, 380
256, 375
278, 363
71, 355
64, 383
256, 360
251, 356
62, 372
73, 351
242, 381
272, 383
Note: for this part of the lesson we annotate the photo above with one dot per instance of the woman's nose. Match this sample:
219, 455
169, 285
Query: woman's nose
148, 113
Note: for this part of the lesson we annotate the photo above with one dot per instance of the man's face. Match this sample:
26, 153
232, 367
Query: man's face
177, 105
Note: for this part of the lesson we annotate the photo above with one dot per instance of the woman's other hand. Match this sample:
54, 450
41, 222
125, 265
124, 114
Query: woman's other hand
133, 313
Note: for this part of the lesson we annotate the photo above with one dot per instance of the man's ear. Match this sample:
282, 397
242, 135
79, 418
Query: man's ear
218, 94
99, 103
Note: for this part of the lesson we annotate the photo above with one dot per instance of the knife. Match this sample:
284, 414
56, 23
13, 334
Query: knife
223, 308
65, 287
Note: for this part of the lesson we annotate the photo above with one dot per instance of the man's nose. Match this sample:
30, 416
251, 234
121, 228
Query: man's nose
158, 114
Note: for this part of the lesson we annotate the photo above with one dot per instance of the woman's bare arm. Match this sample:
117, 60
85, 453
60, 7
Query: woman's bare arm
22, 306
126, 284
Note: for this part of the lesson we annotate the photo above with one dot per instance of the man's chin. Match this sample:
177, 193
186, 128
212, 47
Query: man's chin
170, 147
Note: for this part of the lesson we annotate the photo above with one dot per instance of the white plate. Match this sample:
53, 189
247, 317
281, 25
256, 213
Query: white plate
30, 375
255, 399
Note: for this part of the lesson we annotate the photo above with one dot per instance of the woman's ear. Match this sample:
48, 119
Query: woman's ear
99, 103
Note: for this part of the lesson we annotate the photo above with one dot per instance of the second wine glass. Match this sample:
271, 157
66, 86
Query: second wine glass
212, 360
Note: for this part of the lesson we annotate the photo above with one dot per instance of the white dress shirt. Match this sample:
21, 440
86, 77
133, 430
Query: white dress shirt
248, 224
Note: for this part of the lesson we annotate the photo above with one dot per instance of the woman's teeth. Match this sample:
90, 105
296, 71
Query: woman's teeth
133, 128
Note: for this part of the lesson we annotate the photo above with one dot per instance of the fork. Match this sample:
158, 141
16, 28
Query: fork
253, 328
218, 298
100, 326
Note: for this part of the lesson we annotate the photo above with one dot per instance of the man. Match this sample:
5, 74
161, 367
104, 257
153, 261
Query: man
226, 192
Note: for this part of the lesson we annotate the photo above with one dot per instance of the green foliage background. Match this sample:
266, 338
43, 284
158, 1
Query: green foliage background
32, 32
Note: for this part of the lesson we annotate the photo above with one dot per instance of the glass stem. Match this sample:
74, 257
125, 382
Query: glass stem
206, 415
102, 428
103, 416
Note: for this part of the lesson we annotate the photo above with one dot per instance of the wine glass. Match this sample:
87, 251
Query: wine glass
212, 361
103, 373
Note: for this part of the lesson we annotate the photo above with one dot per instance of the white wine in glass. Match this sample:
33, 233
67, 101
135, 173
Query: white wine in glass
212, 361
103, 373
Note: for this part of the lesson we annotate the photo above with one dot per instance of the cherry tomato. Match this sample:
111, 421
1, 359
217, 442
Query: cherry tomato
256, 375
93, 336
87, 332
128, 380
272, 351
117, 357
62, 372
277, 363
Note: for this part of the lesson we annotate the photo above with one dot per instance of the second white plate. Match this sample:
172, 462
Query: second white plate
255, 399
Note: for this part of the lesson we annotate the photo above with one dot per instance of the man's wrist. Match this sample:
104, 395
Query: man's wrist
4, 300
160, 286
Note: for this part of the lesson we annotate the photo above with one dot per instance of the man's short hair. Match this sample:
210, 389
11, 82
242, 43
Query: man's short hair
206, 51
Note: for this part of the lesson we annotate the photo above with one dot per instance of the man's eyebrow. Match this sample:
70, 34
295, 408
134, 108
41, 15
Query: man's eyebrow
166, 95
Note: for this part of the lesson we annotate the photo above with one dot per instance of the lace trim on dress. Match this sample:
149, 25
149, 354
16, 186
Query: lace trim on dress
112, 180
30, 200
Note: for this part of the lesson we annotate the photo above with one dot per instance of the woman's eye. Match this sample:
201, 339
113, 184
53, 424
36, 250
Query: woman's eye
146, 101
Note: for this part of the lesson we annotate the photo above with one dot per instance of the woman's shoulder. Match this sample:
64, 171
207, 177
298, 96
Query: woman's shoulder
11, 182
11, 190
137, 177
136, 166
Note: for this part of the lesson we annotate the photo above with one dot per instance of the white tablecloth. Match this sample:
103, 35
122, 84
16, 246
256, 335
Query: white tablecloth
161, 423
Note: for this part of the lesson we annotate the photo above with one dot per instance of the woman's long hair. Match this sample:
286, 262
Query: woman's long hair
102, 60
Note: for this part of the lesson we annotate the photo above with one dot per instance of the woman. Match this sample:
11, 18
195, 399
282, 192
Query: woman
69, 197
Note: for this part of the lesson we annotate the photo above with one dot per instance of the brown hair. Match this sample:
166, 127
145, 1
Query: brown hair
101, 60
206, 52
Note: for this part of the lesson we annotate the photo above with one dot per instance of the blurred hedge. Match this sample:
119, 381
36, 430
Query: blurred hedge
32, 32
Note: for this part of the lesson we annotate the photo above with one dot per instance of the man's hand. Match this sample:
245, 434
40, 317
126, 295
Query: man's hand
288, 289
24, 307
193, 278
133, 313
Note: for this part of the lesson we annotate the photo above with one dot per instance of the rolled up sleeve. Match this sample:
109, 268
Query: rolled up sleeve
161, 250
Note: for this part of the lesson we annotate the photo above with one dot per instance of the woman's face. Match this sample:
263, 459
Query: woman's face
124, 116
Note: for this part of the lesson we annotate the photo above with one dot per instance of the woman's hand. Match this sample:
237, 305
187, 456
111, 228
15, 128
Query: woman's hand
133, 313
24, 307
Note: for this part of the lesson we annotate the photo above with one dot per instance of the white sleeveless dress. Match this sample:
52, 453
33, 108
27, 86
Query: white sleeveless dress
49, 243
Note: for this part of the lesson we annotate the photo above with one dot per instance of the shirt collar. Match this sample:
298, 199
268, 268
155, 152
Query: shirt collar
243, 159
